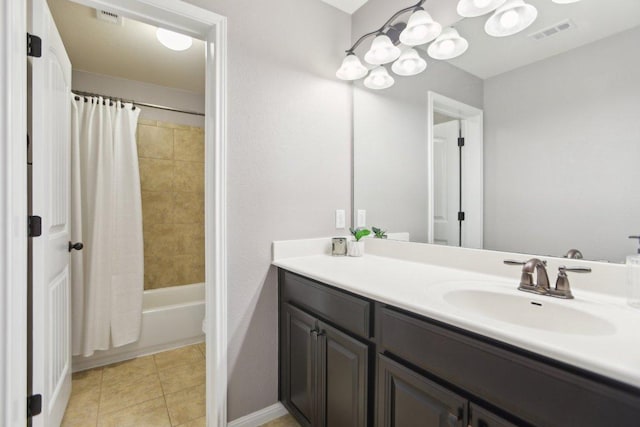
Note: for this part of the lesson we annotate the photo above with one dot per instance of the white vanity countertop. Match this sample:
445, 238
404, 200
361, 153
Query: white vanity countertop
418, 287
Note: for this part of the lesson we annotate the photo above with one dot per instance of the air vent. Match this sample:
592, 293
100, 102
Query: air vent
105, 15
553, 30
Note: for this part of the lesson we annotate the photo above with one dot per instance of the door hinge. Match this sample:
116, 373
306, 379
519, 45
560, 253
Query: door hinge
34, 46
460, 216
461, 142
34, 405
34, 225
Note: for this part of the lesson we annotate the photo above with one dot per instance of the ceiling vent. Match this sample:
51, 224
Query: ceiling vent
553, 30
110, 17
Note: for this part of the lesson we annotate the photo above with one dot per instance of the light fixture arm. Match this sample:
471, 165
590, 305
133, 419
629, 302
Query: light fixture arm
385, 26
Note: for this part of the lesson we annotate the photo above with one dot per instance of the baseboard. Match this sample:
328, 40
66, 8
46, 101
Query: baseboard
260, 417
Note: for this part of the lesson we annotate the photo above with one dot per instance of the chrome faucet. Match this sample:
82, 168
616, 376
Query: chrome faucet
527, 284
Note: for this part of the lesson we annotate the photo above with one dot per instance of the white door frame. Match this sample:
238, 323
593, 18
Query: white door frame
13, 213
473, 188
174, 15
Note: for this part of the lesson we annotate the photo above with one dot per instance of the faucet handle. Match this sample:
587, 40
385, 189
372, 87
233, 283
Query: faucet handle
513, 262
562, 269
563, 290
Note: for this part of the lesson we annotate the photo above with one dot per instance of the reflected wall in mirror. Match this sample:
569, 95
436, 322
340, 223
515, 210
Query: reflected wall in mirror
560, 143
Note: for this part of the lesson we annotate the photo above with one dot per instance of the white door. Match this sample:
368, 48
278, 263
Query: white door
446, 183
50, 137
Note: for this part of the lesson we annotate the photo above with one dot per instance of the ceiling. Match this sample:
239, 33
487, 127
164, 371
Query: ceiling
130, 51
489, 56
348, 6
594, 20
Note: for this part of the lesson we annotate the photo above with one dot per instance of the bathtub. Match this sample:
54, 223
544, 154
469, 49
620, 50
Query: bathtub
171, 317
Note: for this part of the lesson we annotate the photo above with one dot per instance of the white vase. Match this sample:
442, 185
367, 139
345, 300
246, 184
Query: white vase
355, 248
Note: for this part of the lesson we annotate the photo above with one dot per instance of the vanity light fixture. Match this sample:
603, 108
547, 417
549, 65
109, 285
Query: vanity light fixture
511, 18
379, 78
448, 45
474, 8
352, 68
382, 51
173, 40
409, 64
421, 29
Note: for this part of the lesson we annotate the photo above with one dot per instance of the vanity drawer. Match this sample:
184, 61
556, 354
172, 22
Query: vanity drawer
344, 310
538, 392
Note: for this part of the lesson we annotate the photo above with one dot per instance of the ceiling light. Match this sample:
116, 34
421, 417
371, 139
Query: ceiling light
565, 1
409, 64
351, 69
379, 78
511, 18
173, 40
382, 51
421, 29
473, 8
448, 45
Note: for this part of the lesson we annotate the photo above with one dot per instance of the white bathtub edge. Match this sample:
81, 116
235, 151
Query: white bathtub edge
79, 364
260, 417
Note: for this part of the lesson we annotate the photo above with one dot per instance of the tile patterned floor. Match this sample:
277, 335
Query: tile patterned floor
166, 389
286, 421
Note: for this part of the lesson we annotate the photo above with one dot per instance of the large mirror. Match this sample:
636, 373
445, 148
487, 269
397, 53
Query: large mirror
528, 143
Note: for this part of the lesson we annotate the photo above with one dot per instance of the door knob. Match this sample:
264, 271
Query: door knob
77, 246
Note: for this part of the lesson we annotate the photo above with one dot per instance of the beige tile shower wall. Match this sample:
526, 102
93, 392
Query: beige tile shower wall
171, 159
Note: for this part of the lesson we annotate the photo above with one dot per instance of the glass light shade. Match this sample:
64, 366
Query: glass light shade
473, 8
409, 63
382, 51
379, 78
511, 18
448, 45
351, 69
420, 29
173, 40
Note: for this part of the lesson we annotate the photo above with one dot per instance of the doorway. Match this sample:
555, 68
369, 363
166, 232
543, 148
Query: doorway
198, 23
455, 175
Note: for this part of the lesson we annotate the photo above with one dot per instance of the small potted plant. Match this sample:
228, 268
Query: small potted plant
379, 233
356, 247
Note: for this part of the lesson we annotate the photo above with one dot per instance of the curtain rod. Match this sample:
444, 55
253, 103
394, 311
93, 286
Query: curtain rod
141, 104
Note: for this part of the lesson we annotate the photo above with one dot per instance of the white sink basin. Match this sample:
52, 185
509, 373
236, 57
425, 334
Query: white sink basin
525, 309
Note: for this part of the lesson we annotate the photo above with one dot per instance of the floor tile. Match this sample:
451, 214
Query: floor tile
179, 356
82, 410
128, 392
286, 421
186, 405
152, 413
203, 348
182, 376
200, 422
127, 370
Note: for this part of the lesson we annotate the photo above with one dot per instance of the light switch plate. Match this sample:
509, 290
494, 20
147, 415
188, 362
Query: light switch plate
340, 218
361, 220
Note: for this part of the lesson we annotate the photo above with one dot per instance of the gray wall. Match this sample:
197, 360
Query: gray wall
289, 164
562, 144
145, 92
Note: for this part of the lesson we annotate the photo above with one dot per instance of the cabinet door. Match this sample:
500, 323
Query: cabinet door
406, 399
298, 353
480, 417
343, 382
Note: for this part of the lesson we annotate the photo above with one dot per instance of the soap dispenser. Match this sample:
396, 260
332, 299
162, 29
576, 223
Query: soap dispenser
633, 277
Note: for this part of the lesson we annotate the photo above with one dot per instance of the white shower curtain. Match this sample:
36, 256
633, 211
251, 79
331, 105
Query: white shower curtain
108, 274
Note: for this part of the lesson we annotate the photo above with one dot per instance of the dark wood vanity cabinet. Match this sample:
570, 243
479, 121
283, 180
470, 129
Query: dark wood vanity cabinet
323, 371
348, 361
